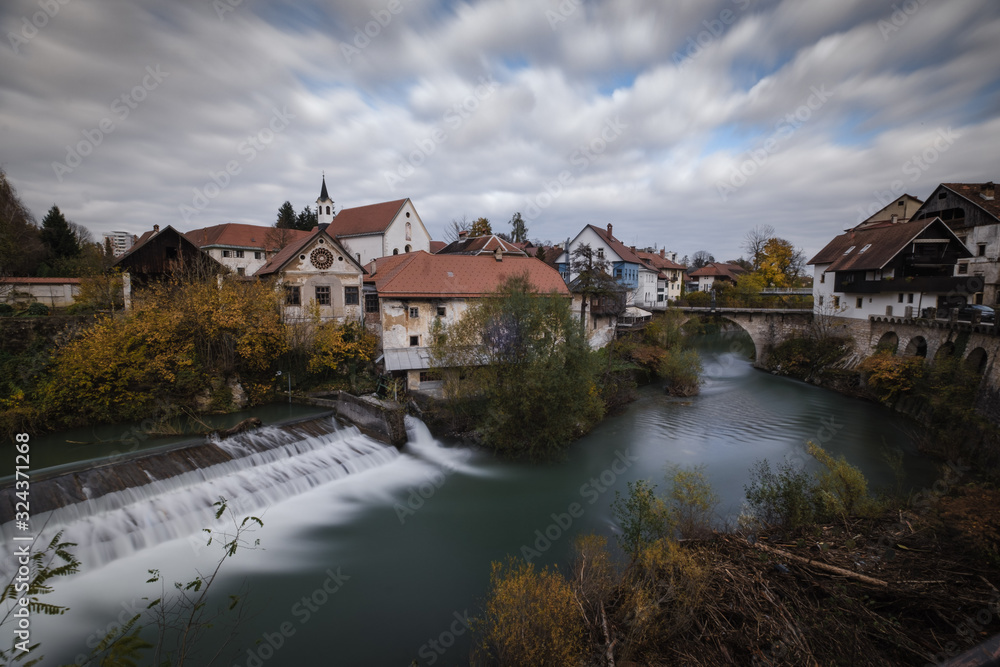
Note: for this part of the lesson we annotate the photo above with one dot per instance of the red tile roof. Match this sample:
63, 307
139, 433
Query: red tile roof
620, 248
421, 274
437, 246
40, 281
238, 235
719, 270
361, 220
658, 262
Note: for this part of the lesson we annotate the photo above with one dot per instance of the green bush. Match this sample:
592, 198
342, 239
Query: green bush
642, 517
6, 310
690, 501
38, 310
781, 497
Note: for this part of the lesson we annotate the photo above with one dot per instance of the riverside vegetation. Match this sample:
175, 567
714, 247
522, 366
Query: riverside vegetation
818, 571
185, 344
518, 371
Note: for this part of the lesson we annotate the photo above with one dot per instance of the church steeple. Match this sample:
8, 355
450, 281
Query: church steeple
324, 206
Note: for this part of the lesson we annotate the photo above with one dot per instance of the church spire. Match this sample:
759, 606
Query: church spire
324, 206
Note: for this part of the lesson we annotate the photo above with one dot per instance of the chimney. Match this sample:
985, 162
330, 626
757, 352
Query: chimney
156, 228
663, 253
463, 233
498, 254
989, 190
895, 218
610, 235
632, 248
373, 267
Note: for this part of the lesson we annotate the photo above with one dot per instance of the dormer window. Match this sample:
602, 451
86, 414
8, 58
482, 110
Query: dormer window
848, 251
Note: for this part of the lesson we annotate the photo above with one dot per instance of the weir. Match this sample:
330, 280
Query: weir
111, 509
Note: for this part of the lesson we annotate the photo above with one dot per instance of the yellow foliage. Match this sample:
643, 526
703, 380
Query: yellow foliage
890, 376
531, 618
339, 347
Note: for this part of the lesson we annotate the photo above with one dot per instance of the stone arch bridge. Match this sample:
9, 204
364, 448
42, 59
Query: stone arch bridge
767, 326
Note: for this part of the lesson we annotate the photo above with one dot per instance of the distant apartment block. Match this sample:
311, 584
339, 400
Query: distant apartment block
120, 242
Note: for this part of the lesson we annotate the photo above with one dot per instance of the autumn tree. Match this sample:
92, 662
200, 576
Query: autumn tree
594, 281
481, 227
518, 229
21, 247
780, 263
344, 350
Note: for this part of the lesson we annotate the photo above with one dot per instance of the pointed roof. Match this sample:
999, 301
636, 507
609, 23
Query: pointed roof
323, 196
659, 261
617, 246
719, 270
423, 275
233, 234
363, 220
277, 263
982, 195
872, 248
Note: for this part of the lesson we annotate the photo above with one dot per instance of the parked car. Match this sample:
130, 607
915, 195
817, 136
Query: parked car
986, 313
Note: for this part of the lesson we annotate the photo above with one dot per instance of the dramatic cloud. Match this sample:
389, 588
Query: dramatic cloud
685, 124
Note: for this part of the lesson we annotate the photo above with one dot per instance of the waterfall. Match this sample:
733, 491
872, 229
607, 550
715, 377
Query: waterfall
113, 510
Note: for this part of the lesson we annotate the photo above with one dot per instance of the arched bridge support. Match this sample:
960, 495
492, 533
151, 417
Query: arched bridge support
766, 327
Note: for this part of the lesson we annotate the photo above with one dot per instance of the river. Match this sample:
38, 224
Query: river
383, 566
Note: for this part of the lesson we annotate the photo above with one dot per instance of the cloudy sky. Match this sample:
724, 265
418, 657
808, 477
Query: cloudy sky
682, 122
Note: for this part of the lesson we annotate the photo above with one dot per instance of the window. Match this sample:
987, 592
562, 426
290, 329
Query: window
241, 271
821, 299
836, 302
963, 269
899, 203
351, 296
900, 300
409, 232
860, 302
414, 341
293, 297
256, 254
441, 311
981, 250
909, 298
328, 210
407, 248
323, 295
395, 251
430, 376
868, 245
414, 312
371, 302
226, 253
942, 195
822, 277
239, 254
600, 253
848, 251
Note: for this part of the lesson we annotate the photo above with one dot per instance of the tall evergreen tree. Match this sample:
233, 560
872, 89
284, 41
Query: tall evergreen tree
306, 220
286, 217
21, 247
58, 236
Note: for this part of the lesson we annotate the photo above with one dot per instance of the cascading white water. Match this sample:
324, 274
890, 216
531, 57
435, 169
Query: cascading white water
269, 465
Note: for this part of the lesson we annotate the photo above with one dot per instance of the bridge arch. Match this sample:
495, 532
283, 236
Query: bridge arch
976, 360
766, 327
917, 347
889, 342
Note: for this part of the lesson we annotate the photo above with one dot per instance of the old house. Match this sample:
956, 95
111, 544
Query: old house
627, 268
898, 269
317, 274
972, 211
709, 274
414, 291
670, 276
160, 255
376, 230
243, 249
480, 245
